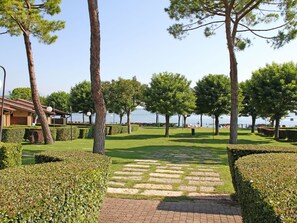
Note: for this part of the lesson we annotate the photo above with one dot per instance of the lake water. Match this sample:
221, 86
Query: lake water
142, 116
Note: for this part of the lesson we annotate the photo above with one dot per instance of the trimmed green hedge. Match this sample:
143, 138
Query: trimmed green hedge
55, 191
267, 187
10, 155
292, 135
84, 133
237, 151
134, 128
13, 135
64, 133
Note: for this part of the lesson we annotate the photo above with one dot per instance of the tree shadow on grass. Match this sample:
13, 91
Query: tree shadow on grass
172, 154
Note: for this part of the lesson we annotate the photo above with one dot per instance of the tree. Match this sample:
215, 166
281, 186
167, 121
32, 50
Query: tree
238, 18
248, 104
81, 98
274, 91
22, 93
168, 94
213, 96
60, 99
25, 17
97, 92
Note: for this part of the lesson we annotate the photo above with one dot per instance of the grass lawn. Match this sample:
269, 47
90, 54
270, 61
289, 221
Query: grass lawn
202, 150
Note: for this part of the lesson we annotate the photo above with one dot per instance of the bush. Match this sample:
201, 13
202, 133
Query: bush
269, 132
282, 134
64, 133
267, 187
237, 151
56, 191
124, 129
84, 133
292, 135
114, 129
35, 135
10, 155
13, 135
134, 128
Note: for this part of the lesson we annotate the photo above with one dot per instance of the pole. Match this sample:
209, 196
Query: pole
71, 122
213, 127
2, 103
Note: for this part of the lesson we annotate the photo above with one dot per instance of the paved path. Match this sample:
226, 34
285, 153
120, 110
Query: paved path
150, 211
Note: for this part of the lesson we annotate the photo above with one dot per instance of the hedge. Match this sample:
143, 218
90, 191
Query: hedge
13, 135
84, 133
60, 191
269, 132
118, 129
64, 133
292, 135
237, 151
10, 155
267, 187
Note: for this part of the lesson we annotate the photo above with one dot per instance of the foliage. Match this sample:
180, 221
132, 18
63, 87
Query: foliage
292, 135
60, 100
65, 133
213, 96
168, 94
267, 187
237, 151
13, 134
10, 155
81, 98
274, 91
34, 134
59, 190
22, 93
238, 18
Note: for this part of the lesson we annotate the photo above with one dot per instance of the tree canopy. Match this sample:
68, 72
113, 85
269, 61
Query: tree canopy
274, 91
273, 20
168, 94
60, 99
22, 93
213, 96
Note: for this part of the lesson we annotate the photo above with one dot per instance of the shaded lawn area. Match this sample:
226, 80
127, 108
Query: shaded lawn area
149, 143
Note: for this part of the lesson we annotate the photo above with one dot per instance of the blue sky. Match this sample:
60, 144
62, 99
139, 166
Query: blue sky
134, 42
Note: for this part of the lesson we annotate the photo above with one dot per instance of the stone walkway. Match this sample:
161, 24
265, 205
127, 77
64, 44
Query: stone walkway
147, 211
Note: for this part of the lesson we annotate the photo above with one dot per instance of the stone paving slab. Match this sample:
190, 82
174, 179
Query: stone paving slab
187, 188
153, 186
122, 190
210, 174
116, 210
137, 165
164, 180
128, 173
176, 176
206, 183
126, 178
165, 193
170, 171
207, 189
113, 183
134, 169
178, 165
203, 178
147, 161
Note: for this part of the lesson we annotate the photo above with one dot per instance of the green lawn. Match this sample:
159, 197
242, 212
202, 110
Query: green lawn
203, 149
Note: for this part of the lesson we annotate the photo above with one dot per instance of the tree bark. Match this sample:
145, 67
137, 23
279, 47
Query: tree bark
129, 121
201, 120
97, 93
276, 133
121, 119
217, 125
178, 121
167, 118
35, 96
185, 121
90, 119
157, 119
253, 123
230, 36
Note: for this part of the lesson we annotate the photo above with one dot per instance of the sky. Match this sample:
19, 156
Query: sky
134, 42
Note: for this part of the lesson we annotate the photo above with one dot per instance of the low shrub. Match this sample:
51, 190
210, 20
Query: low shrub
114, 129
60, 191
124, 129
134, 128
282, 134
292, 135
10, 155
35, 135
64, 133
267, 187
269, 132
237, 151
84, 133
13, 135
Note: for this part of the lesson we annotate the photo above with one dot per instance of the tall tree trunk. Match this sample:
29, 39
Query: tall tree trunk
276, 133
201, 120
121, 119
157, 119
178, 121
35, 96
167, 118
217, 125
230, 36
90, 119
129, 121
97, 93
185, 121
253, 123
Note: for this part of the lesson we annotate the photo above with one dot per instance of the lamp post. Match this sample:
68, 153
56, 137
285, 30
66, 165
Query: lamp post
2, 103
50, 109
71, 122
89, 114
